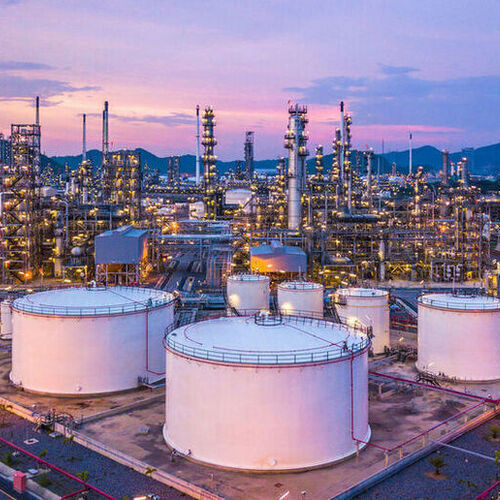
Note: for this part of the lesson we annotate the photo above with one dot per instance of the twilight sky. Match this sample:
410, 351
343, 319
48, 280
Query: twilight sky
429, 66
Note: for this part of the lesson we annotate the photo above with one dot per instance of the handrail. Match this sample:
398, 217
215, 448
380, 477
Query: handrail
332, 353
133, 306
490, 304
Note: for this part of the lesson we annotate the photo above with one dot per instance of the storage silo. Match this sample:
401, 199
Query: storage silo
6, 319
248, 292
89, 340
302, 298
370, 306
266, 393
459, 336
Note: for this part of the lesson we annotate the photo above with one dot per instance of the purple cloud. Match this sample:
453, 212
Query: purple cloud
172, 120
23, 65
399, 98
19, 88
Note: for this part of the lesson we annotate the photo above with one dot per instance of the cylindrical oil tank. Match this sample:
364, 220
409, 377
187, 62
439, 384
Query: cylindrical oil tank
459, 336
89, 340
248, 292
370, 306
301, 298
266, 393
6, 319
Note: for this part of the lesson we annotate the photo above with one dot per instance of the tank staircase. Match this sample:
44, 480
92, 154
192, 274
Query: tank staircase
332, 313
232, 311
427, 378
407, 306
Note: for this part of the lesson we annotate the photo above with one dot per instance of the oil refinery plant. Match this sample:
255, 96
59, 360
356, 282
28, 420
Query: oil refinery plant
300, 333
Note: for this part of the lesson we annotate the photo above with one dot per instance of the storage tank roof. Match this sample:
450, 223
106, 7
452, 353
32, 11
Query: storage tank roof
267, 340
248, 277
92, 301
300, 285
362, 292
460, 302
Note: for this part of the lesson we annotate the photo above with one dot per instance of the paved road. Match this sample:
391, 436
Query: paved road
7, 493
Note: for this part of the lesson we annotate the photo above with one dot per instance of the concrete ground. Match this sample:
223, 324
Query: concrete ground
79, 408
395, 417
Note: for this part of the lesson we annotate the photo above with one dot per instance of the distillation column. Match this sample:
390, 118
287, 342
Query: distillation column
296, 143
209, 164
341, 171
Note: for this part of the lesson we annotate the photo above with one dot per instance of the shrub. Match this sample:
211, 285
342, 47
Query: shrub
438, 463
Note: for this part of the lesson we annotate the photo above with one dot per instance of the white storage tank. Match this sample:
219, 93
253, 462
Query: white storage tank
6, 319
370, 306
301, 298
248, 292
89, 340
266, 393
459, 336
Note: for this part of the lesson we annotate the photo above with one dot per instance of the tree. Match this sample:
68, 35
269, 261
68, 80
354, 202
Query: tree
84, 476
438, 463
68, 439
149, 471
494, 431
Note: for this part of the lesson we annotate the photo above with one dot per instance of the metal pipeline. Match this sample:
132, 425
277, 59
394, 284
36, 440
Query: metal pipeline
440, 389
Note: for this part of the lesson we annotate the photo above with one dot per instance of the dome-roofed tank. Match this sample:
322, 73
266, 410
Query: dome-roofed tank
459, 336
89, 340
267, 393
371, 307
303, 298
248, 292
6, 319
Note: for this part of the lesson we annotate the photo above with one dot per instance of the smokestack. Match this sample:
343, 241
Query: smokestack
37, 110
445, 162
84, 138
410, 154
197, 144
105, 132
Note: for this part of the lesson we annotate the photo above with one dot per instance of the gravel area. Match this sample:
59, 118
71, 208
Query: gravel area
107, 475
463, 477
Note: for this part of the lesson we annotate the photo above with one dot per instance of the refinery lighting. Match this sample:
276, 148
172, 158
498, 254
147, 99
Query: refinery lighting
243, 284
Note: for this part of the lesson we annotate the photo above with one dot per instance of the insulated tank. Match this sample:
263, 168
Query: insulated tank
248, 292
301, 298
459, 336
370, 306
6, 319
89, 340
266, 393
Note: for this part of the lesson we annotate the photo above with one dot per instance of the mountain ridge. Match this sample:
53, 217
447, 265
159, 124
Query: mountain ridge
485, 160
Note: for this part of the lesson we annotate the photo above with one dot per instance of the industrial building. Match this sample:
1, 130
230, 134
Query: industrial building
121, 256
